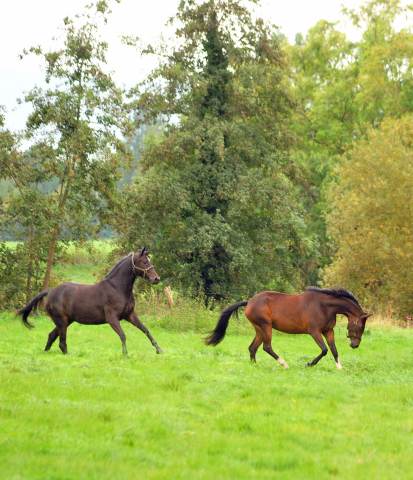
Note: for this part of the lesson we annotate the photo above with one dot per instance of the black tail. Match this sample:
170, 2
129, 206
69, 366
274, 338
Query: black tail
216, 336
25, 311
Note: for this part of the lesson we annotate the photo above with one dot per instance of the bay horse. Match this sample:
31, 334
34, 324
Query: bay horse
109, 301
313, 312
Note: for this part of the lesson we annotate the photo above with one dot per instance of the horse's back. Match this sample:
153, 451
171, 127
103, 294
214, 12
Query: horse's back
76, 301
67, 289
285, 312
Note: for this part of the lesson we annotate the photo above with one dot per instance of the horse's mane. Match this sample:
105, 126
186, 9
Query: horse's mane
118, 264
339, 292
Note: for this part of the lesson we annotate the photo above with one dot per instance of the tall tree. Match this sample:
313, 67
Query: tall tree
342, 88
214, 198
75, 130
24, 215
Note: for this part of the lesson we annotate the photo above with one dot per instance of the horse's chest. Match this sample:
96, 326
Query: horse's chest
128, 308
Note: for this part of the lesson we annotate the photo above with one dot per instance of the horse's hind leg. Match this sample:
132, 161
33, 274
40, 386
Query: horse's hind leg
53, 336
267, 336
329, 336
134, 320
61, 323
255, 345
320, 342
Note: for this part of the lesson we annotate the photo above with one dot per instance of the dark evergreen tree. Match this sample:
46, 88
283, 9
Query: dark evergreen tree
214, 198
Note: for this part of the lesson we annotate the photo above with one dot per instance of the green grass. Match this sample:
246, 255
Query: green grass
199, 412
80, 266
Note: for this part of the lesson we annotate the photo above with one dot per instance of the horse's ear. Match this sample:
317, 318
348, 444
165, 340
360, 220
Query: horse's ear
367, 315
148, 252
142, 252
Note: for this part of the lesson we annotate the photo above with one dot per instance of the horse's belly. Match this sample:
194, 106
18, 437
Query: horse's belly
90, 322
288, 326
87, 314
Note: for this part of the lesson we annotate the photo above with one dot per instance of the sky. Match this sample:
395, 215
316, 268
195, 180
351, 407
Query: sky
26, 23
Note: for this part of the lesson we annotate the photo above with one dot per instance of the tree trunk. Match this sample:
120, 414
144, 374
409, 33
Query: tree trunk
30, 266
50, 259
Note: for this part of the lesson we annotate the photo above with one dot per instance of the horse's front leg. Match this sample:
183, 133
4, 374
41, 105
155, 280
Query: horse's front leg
320, 342
329, 336
134, 320
113, 321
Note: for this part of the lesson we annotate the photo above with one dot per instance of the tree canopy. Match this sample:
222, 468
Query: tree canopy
215, 198
371, 217
75, 132
343, 87
257, 164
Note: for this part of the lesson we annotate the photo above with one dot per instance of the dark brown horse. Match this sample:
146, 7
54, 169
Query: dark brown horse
109, 301
313, 312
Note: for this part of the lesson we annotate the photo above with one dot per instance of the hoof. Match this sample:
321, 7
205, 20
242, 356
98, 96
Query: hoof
286, 367
159, 350
282, 362
308, 365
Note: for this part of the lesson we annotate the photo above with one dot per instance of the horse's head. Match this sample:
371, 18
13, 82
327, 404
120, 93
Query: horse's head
356, 327
143, 267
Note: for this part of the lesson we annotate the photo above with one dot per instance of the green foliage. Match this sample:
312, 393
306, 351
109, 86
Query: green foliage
371, 217
24, 215
198, 412
75, 145
137, 144
214, 198
21, 275
12, 278
343, 87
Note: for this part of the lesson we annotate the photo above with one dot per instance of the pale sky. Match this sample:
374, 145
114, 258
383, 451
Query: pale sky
25, 23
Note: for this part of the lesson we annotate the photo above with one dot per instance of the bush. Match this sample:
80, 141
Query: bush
371, 218
15, 289
186, 315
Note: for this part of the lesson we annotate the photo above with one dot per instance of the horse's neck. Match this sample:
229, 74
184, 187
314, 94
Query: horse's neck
345, 306
124, 279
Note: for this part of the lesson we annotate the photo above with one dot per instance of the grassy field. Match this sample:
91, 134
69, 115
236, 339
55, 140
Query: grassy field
199, 412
